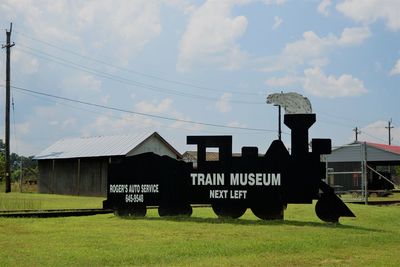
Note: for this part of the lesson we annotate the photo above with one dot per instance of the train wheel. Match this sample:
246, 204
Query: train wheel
121, 212
164, 211
326, 211
228, 210
138, 211
272, 211
186, 210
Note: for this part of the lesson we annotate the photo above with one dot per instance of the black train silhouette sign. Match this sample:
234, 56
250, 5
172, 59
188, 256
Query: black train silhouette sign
231, 185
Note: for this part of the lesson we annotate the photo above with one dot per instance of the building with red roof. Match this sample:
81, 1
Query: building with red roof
346, 163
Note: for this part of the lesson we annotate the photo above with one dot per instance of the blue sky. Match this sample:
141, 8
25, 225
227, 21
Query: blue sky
209, 61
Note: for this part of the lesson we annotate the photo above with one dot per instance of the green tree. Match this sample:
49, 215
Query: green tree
2, 160
2, 167
29, 168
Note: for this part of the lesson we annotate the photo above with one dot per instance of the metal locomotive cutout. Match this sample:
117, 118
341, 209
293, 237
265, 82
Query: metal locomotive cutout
231, 185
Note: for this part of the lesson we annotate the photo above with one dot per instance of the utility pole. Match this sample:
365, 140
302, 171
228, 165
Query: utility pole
390, 127
357, 132
8, 46
279, 122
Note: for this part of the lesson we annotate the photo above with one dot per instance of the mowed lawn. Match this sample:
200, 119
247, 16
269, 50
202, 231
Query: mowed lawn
32, 201
371, 239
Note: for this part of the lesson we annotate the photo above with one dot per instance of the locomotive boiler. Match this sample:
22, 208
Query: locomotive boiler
265, 183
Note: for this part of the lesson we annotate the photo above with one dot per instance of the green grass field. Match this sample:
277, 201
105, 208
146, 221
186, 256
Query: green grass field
371, 239
373, 198
32, 201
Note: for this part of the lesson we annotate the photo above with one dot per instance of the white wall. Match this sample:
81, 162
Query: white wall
153, 144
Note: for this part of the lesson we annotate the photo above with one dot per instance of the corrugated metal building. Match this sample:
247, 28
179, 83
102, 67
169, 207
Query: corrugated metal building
79, 166
348, 158
376, 153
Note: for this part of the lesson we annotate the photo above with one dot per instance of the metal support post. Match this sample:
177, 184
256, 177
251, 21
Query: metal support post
364, 170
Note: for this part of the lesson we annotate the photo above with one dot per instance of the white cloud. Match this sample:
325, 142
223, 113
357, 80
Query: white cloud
372, 10
319, 84
153, 107
128, 28
310, 46
323, 7
69, 122
130, 123
376, 132
110, 124
312, 49
105, 99
125, 27
89, 82
23, 128
274, 2
57, 116
26, 63
182, 5
180, 124
66, 123
223, 105
277, 22
22, 147
354, 36
165, 108
285, 81
81, 83
211, 37
396, 68
44, 125
124, 124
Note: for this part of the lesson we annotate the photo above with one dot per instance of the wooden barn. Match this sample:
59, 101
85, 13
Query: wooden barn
79, 166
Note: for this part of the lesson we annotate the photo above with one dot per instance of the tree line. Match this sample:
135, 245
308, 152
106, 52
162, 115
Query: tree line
20, 166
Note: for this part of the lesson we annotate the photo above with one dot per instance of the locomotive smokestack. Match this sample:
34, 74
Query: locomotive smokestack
298, 118
299, 124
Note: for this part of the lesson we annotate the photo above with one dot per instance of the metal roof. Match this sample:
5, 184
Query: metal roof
390, 148
98, 146
375, 152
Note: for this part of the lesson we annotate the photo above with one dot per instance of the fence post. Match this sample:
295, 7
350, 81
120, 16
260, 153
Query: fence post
324, 158
364, 176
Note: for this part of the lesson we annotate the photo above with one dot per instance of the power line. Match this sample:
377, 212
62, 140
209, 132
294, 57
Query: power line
110, 115
323, 113
139, 84
335, 123
372, 136
139, 113
120, 79
128, 118
354, 129
135, 72
36, 93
